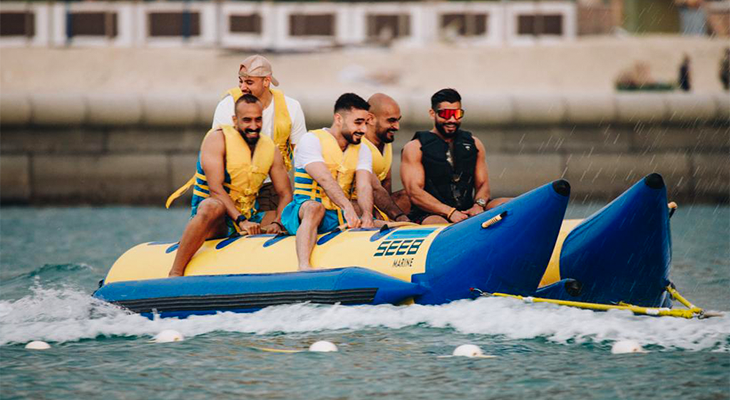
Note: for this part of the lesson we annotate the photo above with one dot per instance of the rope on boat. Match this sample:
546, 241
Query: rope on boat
691, 312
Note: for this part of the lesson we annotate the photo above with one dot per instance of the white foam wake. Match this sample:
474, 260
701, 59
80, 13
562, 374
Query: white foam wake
62, 315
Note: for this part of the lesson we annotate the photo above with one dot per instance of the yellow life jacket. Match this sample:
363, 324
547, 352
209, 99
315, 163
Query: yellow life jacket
244, 174
342, 166
282, 122
381, 162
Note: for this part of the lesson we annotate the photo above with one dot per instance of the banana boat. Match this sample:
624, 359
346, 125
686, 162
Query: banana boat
504, 249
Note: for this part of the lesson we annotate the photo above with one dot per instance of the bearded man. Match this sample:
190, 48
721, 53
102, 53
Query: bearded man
384, 123
444, 170
329, 164
234, 161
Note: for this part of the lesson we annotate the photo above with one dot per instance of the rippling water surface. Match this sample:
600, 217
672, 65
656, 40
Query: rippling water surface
52, 259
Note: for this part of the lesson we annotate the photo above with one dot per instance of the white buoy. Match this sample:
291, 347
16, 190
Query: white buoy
323, 346
168, 336
468, 350
37, 345
627, 346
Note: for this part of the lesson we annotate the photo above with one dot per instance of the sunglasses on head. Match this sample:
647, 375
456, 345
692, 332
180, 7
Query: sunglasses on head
447, 113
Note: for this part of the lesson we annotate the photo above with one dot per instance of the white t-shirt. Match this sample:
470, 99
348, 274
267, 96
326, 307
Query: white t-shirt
309, 150
224, 116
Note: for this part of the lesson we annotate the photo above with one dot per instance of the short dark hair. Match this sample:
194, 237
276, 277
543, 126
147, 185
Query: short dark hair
247, 98
348, 101
444, 95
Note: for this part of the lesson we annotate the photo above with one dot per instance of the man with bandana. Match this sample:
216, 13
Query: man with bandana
283, 119
444, 170
234, 161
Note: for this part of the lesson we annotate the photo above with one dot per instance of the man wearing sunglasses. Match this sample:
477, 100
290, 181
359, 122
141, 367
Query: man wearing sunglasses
444, 170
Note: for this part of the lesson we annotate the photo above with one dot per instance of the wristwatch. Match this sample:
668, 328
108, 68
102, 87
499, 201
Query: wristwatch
240, 219
481, 203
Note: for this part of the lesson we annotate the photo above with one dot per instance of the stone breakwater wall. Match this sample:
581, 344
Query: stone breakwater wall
137, 149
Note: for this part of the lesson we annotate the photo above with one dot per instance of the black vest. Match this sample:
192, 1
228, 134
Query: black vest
453, 186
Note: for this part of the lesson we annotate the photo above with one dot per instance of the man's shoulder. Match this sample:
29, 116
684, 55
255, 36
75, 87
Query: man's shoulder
308, 139
412, 147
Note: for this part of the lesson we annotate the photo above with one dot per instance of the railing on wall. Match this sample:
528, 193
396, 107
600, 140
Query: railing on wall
283, 26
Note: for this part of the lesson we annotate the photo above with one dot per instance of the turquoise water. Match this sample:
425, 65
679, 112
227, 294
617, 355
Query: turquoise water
51, 259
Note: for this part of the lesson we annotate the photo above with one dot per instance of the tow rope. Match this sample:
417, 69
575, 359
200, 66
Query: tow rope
692, 311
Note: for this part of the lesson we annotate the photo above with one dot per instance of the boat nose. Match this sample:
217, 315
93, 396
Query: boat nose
562, 187
654, 181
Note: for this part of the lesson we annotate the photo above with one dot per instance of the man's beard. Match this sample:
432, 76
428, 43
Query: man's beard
251, 140
351, 138
442, 129
385, 137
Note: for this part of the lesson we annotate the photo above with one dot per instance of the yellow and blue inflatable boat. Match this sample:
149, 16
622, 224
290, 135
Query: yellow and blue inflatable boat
503, 250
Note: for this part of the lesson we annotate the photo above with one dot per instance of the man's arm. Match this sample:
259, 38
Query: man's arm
388, 182
212, 155
383, 201
363, 179
481, 179
282, 186
414, 180
365, 196
319, 172
298, 125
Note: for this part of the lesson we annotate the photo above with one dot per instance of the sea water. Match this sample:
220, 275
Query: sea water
51, 260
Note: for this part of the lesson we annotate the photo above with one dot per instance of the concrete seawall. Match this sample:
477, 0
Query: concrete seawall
129, 149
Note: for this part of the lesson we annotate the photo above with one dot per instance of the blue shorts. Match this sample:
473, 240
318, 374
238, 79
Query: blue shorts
290, 218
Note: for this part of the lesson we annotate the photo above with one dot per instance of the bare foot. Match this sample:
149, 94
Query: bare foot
174, 274
304, 268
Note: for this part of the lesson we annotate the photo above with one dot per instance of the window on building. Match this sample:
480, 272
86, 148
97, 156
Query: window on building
386, 27
312, 25
17, 23
540, 24
182, 23
92, 24
465, 24
250, 23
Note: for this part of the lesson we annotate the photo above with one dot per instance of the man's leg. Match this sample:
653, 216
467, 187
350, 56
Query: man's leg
311, 214
434, 219
208, 222
498, 202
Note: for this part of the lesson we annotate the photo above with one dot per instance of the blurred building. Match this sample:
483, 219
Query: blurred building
287, 26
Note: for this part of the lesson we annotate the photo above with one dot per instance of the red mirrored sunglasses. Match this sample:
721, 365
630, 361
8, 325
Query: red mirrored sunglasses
448, 113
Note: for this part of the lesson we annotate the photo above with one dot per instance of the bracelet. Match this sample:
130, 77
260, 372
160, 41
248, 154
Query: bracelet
448, 216
240, 219
398, 216
278, 223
